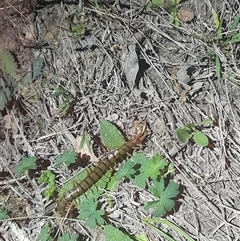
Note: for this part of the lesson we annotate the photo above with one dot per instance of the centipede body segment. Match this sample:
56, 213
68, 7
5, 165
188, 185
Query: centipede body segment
101, 168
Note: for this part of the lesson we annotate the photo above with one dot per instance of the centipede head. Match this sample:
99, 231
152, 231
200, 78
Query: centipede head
139, 131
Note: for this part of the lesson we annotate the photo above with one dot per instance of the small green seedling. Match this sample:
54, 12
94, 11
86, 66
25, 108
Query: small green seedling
165, 193
49, 178
91, 214
190, 131
67, 99
45, 235
25, 164
78, 30
68, 237
3, 214
154, 4
223, 40
140, 169
68, 157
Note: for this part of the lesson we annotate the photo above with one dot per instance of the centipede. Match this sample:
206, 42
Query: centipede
65, 203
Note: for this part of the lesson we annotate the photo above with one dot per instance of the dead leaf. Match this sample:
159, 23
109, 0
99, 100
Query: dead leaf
185, 15
131, 66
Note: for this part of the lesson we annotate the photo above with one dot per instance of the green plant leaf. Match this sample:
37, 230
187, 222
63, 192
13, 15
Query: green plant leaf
218, 67
8, 64
126, 170
138, 158
90, 213
205, 122
141, 237
25, 164
216, 22
200, 138
5, 97
111, 137
190, 127
49, 178
234, 39
37, 67
68, 237
67, 157
170, 170
154, 4
183, 134
112, 184
85, 140
235, 22
78, 29
45, 234
134, 170
140, 180
96, 4
174, 18
3, 214
165, 195
114, 234
153, 166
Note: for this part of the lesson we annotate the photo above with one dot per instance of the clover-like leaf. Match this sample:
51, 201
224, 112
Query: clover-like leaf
183, 134
25, 164
139, 158
67, 157
165, 196
200, 138
90, 213
153, 166
140, 180
126, 170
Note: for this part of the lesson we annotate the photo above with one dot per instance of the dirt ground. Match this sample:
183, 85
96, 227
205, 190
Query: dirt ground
118, 61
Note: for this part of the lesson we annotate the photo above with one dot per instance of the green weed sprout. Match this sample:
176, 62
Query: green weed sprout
45, 235
91, 214
223, 40
25, 164
49, 178
190, 131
